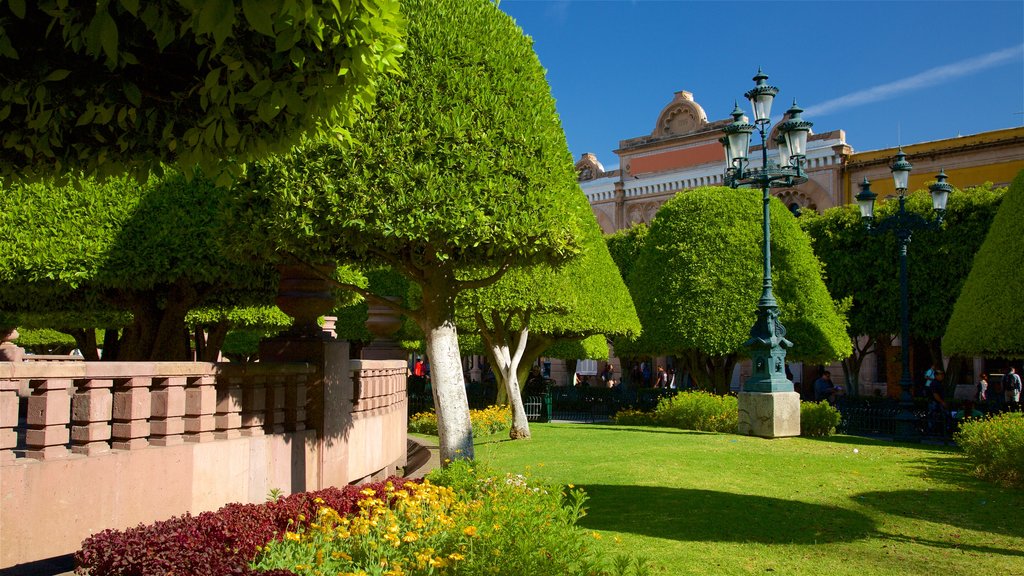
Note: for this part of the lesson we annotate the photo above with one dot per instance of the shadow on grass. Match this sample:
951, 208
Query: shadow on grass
884, 442
708, 516
995, 511
643, 430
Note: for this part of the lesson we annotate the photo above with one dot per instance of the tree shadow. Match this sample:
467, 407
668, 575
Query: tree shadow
692, 515
883, 442
649, 430
994, 511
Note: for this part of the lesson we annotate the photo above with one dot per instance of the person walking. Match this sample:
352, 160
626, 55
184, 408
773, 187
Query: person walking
982, 393
1011, 387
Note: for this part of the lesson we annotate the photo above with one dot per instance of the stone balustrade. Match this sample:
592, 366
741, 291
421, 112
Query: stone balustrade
92, 408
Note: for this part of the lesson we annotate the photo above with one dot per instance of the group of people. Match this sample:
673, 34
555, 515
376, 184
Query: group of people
1005, 392
640, 377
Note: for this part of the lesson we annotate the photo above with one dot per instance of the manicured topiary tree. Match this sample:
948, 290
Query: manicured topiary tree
863, 269
107, 86
533, 307
697, 279
988, 319
461, 167
87, 250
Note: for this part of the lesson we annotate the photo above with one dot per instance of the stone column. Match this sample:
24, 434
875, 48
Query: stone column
254, 406
91, 411
49, 412
132, 409
229, 410
200, 406
8, 418
168, 423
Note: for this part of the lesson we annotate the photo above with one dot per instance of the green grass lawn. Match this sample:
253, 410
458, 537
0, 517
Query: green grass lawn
710, 504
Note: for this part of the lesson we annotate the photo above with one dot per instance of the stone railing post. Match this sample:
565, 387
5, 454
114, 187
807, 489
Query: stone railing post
254, 405
229, 409
200, 407
168, 423
295, 403
49, 412
276, 404
91, 410
132, 410
8, 418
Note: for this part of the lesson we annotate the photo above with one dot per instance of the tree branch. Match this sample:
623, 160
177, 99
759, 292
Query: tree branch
370, 296
487, 281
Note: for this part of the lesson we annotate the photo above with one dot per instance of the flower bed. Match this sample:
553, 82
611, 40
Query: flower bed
214, 543
487, 421
458, 521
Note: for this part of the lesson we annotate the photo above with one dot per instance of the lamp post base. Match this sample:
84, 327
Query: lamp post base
769, 414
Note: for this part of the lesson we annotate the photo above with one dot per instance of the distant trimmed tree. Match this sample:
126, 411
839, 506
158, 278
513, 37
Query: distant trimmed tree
535, 307
109, 86
863, 269
988, 319
697, 279
461, 167
85, 252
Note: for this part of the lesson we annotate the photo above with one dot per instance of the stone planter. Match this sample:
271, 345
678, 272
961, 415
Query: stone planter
9, 351
304, 295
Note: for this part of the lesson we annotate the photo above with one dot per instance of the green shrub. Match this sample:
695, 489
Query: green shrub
485, 422
460, 520
818, 419
630, 417
699, 410
996, 447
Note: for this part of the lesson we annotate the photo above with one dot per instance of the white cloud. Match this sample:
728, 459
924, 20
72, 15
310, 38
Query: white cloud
923, 80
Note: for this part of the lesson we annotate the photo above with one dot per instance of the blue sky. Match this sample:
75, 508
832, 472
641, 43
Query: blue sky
881, 71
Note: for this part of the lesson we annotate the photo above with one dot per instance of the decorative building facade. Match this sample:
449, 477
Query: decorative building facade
683, 152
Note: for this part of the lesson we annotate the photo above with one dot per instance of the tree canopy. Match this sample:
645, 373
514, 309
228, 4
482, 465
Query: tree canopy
531, 308
462, 165
83, 252
987, 319
864, 268
120, 84
697, 279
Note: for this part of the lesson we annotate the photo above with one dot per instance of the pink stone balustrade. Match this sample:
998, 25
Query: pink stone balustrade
102, 445
93, 407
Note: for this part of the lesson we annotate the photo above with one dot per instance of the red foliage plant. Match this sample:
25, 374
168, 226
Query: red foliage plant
220, 543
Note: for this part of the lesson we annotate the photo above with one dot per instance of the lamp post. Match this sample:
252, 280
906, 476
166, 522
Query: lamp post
767, 343
903, 224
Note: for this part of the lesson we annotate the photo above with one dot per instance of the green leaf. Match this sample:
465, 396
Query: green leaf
133, 94
57, 75
18, 8
132, 6
258, 14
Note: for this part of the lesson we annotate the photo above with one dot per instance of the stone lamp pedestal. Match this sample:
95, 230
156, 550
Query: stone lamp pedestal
9, 351
769, 414
383, 322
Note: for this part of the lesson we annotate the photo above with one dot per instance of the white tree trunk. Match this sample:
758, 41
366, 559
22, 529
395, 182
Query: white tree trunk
454, 428
508, 365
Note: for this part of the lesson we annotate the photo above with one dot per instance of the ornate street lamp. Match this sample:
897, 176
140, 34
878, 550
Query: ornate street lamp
903, 224
767, 343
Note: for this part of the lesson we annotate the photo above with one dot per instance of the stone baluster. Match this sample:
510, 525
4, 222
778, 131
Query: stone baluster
132, 410
229, 409
254, 405
91, 411
8, 418
295, 403
200, 407
49, 412
276, 404
168, 423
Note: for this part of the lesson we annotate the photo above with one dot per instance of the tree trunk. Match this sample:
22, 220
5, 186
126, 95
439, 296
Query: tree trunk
437, 320
718, 370
85, 341
157, 332
215, 341
853, 363
507, 364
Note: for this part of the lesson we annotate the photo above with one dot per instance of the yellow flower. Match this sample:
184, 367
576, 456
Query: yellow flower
292, 536
411, 536
470, 531
368, 492
318, 500
596, 535
340, 556
456, 556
